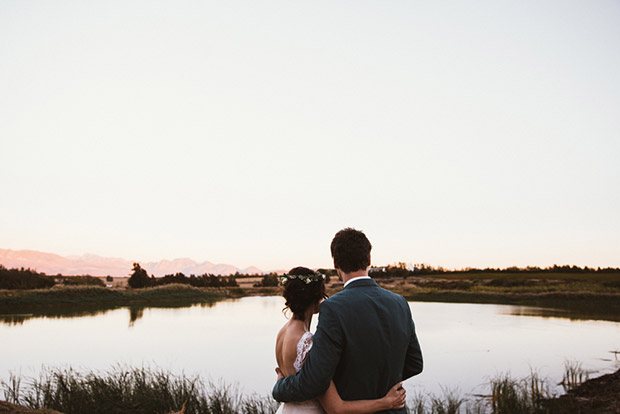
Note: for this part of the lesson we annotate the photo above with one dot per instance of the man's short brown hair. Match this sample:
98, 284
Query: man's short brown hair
351, 250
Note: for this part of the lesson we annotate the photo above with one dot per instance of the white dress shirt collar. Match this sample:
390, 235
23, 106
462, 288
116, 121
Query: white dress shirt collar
354, 279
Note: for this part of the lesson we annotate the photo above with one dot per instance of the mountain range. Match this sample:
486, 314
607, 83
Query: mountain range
91, 264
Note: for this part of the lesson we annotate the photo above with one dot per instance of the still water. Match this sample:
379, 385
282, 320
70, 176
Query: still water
233, 341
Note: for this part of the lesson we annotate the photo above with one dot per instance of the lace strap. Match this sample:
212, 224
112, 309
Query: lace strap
303, 347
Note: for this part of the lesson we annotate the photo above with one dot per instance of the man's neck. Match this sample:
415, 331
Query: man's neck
358, 273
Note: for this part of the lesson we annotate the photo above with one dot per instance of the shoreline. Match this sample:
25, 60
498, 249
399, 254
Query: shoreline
580, 304
574, 300
598, 395
595, 396
76, 300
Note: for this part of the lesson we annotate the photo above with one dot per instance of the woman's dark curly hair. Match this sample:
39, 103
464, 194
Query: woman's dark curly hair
300, 295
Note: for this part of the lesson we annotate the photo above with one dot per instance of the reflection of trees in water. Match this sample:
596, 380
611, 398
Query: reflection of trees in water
19, 316
15, 319
573, 310
135, 313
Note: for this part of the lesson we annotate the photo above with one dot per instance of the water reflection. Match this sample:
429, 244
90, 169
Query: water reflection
20, 315
464, 345
15, 319
572, 310
53, 313
135, 313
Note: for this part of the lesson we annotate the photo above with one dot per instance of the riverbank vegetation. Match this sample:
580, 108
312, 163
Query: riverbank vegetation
144, 390
130, 391
404, 270
572, 295
71, 297
578, 292
24, 279
511, 285
140, 279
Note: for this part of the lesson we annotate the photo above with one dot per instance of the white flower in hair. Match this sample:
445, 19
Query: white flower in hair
307, 279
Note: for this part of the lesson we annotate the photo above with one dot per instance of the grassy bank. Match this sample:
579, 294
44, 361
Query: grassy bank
130, 391
575, 296
95, 296
582, 305
144, 390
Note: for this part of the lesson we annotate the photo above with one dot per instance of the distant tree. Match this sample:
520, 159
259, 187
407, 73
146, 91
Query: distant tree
139, 278
269, 280
82, 280
109, 279
24, 279
329, 273
232, 281
177, 278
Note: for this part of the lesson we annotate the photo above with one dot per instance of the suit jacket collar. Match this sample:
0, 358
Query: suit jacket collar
361, 283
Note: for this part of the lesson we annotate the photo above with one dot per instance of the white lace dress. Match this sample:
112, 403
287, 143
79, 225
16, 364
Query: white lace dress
304, 407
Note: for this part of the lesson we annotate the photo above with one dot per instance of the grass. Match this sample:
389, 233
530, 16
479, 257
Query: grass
507, 396
585, 295
597, 276
513, 284
95, 295
574, 375
131, 391
579, 296
153, 391
510, 396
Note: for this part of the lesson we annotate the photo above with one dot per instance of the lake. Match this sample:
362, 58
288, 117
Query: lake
233, 341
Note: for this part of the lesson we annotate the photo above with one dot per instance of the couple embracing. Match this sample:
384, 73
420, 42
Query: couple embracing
365, 343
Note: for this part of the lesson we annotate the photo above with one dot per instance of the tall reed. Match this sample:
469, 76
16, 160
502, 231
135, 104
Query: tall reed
507, 396
574, 375
449, 402
131, 391
526, 396
154, 391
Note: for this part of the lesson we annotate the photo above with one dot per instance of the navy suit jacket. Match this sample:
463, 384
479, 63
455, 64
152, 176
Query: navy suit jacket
365, 341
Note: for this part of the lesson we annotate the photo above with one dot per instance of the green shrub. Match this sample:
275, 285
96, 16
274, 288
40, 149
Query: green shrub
82, 280
24, 279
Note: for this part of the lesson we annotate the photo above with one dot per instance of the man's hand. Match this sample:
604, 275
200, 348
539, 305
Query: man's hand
280, 374
396, 396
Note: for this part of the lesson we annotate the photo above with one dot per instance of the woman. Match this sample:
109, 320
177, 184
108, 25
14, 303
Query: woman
304, 290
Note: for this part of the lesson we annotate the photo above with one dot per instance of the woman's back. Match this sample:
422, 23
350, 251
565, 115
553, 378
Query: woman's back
292, 345
286, 346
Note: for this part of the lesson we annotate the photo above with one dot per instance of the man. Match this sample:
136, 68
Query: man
365, 339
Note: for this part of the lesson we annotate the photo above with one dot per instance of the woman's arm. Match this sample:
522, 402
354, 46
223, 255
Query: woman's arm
333, 404
320, 365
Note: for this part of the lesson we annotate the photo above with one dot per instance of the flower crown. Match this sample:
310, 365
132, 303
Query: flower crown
307, 279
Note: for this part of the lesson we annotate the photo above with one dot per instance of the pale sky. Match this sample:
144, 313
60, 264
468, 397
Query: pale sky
454, 133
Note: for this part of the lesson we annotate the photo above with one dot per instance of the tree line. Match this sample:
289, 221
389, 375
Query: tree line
140, 279
31, 279
401, 269
26, 278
